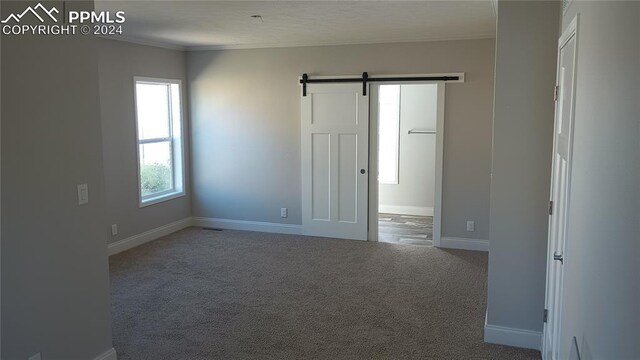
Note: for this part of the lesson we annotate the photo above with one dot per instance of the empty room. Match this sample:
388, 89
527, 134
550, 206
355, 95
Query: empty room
319, 180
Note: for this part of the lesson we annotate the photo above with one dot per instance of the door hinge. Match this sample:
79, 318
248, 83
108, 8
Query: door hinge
550, 207
545, 317
556, 91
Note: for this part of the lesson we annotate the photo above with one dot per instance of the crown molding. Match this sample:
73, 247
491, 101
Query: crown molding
335, 43
173, 46
139, 41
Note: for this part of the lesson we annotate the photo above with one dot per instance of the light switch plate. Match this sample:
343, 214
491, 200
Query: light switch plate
83, 194
284, 212
114, 229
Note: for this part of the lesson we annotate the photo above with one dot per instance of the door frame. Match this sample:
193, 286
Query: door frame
571, 32
373, 152
373, 185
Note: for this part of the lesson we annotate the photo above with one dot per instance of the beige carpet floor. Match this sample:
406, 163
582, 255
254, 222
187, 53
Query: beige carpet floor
202, 294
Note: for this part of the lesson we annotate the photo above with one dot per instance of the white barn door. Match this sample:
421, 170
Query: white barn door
335, 147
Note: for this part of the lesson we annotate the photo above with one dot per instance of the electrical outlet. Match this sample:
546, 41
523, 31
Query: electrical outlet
35, 357
284, 212
471, 226
83, 194
114, 229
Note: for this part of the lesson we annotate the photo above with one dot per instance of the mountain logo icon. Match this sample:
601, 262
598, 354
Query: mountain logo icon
35, 11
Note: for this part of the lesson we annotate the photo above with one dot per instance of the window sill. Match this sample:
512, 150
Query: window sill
161, 198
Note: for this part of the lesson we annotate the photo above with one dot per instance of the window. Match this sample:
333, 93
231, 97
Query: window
389, 140
160, 146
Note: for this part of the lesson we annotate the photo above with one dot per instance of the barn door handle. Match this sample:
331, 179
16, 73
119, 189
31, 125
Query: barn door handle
558, 257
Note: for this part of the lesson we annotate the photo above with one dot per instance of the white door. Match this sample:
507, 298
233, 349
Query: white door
335, 147
560, 187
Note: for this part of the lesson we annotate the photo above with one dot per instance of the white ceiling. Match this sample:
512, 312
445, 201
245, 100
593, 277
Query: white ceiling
228, 24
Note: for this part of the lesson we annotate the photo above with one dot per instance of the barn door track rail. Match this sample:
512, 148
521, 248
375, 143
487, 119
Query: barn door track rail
365, 79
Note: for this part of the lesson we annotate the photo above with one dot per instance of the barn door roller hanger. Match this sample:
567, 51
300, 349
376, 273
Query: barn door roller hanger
365, 79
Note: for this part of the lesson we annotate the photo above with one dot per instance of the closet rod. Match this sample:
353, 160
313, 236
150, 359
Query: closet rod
414, 131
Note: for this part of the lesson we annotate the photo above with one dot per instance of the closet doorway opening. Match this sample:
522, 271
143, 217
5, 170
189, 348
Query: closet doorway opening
409, 125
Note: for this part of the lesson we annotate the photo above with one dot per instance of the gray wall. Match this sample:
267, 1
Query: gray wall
417, 165
119, 63
521, 170
55, 281
245, 112
602, 272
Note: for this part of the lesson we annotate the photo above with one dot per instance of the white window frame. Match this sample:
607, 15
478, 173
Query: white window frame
396, 180
177, 145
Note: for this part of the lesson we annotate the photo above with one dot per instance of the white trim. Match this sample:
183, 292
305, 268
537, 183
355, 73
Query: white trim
176, 47
147, 236
482, 36
406, 210
0, 218
374, 186
494, 8
177, 141
156, 80
107, 355
162, 198
521, 338
437, 204
259, 226
464, 243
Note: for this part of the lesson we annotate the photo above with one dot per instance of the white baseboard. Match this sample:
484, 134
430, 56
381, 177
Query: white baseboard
228, 224
137, 240
406, 210
464, 243
107, 355
522, 338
